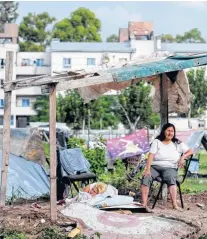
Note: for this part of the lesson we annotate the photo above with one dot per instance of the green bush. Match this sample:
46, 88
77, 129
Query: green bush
204, 236
96, 156
74, 142
12, 234
96, 235
52, 233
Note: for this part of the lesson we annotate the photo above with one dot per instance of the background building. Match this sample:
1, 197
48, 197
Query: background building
134, 41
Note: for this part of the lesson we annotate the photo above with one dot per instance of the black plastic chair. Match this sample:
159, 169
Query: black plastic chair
84, 178
178, 183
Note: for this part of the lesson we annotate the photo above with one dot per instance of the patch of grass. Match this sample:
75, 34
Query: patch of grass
202, 162
52, 233
192, 185
196, 185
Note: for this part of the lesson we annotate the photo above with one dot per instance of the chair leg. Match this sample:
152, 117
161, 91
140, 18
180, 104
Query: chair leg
75, 186
71, 190
181, 198
160, 190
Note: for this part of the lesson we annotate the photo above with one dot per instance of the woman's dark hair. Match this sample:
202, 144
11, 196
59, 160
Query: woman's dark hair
161, 136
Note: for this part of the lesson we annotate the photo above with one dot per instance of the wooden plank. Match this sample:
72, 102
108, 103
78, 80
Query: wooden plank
6, 127
73, 84
163, 99
53, 163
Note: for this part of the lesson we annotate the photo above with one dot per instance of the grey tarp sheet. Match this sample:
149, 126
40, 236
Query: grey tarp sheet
27, 143
73, 161
193, 138
26, 179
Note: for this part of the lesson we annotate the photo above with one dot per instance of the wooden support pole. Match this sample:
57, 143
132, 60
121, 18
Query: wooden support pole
163, 99
6, 127
164, 116
53, 162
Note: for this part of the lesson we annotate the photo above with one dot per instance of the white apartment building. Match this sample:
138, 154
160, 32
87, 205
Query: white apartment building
63, 56
60, 56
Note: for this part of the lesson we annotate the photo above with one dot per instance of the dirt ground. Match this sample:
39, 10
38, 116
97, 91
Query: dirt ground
32, 220
195, 211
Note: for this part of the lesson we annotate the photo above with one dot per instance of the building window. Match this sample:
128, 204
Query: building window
12, 120
25, 102
2, 63
66, 62
1, 103
25, 62
91, 61
2, 120
40, 62
1, 82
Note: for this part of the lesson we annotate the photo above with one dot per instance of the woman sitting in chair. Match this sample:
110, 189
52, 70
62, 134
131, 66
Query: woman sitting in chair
163, 160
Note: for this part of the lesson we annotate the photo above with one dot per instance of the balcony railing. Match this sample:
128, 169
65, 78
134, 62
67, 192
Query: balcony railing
33, 70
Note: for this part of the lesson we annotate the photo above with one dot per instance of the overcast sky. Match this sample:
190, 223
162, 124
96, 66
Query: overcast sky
168, 17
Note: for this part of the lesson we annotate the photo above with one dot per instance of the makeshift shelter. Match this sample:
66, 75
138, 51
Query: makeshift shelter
27, 143
129, 145
194, 138
161, 67
26, 179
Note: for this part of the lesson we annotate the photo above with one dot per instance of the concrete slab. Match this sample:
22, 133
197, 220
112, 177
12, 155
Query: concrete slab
120, 226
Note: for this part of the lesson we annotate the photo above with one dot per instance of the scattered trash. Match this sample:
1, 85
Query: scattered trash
42, 220
126, 212
132, 194
69, 229
67, 224
200, 205
74, 232
35, 205
61, 202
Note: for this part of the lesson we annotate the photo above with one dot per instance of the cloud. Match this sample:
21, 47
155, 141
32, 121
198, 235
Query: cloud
118, 14
113, 18
194, 4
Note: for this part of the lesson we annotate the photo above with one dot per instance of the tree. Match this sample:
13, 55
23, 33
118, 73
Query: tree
72, 110
8, 12
41, 106
100, 110
81, 26
112, 38
168, 38
192, 36
33, 31
31, 47
102, 114
198, 87
134, 106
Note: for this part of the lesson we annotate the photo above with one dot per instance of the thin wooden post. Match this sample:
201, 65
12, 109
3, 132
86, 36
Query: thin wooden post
163, 99
53, 163
164, 116
6, 126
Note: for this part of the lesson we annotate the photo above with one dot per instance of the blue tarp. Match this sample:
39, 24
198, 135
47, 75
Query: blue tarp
195, 139
173, 63
73, 161
26, 179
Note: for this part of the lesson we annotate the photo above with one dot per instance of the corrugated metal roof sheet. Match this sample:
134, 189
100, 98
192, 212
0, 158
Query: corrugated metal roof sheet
173, 63
91, 47
184, 47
